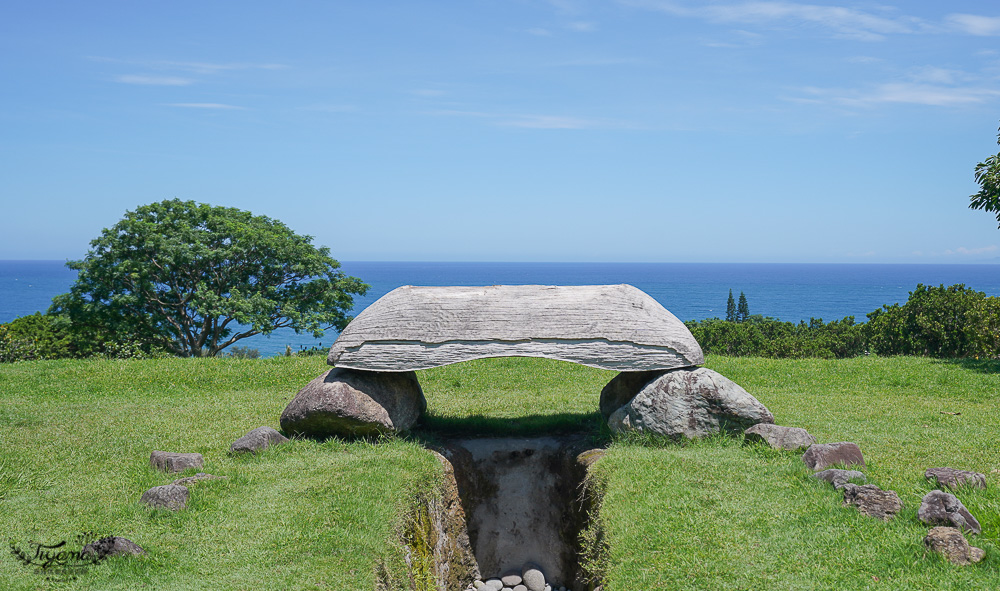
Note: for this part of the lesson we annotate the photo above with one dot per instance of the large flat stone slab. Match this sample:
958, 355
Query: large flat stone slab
617, 327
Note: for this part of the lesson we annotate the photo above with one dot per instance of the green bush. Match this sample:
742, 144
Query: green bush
761, 336
938, 321
54, 336
34, 337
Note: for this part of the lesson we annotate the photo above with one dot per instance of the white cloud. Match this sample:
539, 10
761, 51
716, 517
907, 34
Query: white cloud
901, 93
865, 59
974, 24
539, 32
582, 27
154, 80
331, 108
530, 121
219, 106
546, 122
739, 40
935, 75
841, 21
961, 250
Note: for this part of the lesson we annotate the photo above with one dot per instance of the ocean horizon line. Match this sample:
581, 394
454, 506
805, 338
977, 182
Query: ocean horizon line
459, 262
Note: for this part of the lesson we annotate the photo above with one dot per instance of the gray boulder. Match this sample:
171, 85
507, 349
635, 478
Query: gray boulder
511, 579
347, 402
778, 437
623, 387
689, 403
112, 546
941, 508
259, 439
838, 478
533, 578
953, 478
872, 500
171, 496
821, 456
175, 462
952, 544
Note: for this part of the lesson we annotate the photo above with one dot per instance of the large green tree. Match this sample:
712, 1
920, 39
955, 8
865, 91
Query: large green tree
194, 279
988, 177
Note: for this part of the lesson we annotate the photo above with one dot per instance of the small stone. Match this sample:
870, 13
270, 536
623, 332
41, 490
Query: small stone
952, 544
872, 501
941, 508
534, 579
838, 478
175, 462
511, 579
821, 456
779, 437
189, 480
955, 478
171, 496
520, 588
478, 584
494, 584
112, 546
257, 440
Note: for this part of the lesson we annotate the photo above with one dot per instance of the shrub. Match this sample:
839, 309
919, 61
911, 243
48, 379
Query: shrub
240, 352
938, 321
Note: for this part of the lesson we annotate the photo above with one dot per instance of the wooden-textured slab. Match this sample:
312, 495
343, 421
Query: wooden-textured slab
614, 327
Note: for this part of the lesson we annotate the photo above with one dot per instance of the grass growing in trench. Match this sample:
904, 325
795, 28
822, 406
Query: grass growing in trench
75, 438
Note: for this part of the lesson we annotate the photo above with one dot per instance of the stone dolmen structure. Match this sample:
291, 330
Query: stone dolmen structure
372, 387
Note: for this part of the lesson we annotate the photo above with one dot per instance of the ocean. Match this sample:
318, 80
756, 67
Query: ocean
691, 291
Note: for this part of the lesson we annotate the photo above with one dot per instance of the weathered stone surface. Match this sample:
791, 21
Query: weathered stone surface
872, 501
175, 462
171, 496
953, 478
259, 439
614, 327
779, 437
821, 456
494, 584
952, 544
623, 387
347, 402
533, 578
838, 478
189, 480
690, 403
941, 508
112, 546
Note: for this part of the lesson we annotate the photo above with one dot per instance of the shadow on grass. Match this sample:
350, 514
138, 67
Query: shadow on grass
989, 366
523, 426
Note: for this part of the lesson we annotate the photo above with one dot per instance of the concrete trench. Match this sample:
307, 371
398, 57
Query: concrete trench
524, 502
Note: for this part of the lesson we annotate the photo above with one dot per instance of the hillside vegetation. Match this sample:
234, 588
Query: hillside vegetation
75, 438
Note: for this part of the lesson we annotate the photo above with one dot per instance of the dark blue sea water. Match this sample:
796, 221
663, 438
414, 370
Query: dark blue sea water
695, 291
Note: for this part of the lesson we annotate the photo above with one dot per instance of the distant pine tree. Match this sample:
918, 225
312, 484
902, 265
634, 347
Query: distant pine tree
743, 311
731, 308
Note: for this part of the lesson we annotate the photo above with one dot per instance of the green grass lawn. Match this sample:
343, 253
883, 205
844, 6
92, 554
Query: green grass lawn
75, 438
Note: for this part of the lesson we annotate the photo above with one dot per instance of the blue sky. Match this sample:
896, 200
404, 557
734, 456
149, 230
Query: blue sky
519, 130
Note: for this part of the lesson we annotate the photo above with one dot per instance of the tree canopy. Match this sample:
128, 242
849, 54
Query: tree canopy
194, 278
988, 177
